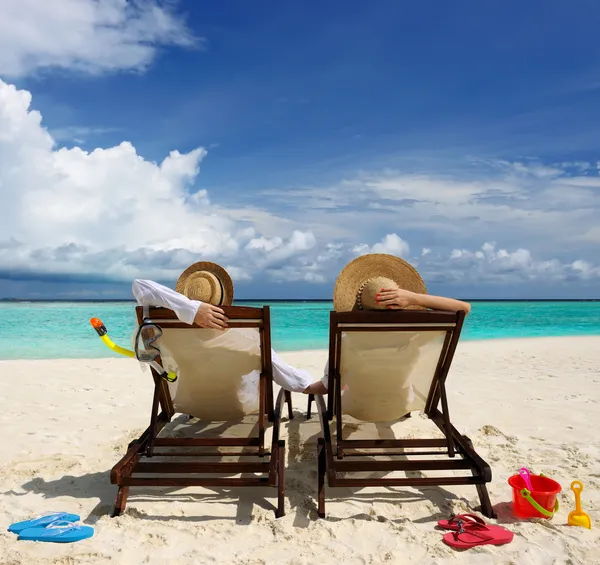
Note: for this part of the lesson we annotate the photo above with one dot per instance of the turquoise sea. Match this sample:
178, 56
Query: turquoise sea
53, 330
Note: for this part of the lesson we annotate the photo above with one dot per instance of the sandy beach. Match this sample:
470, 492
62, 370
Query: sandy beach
533, 402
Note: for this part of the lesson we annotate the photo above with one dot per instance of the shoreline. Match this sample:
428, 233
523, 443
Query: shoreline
284, 352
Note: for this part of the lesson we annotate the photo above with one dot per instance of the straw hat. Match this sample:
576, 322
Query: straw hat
207, 282
363, 278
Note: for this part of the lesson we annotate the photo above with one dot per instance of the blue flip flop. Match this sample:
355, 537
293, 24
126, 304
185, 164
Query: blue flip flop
42, 520
62, 531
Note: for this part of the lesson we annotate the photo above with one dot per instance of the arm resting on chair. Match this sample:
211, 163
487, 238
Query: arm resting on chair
396, 299
441, 303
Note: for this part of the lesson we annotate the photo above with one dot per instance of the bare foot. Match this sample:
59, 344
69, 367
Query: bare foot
315, 388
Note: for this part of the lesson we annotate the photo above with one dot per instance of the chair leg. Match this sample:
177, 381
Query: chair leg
321, 480
288, 399
311, 399
121, 501
280, 479
486, 506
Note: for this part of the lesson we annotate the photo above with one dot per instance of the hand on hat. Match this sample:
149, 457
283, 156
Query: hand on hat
209, 316
396, 299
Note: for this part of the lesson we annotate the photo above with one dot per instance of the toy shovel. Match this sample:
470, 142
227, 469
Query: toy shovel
578, 517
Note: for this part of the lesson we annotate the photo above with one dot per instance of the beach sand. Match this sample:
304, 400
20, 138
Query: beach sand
533, 402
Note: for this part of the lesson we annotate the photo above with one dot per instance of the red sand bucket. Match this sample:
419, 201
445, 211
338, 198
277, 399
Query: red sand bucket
541, 502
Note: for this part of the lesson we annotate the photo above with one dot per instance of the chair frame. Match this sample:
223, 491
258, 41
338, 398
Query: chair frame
138, 459
331, 459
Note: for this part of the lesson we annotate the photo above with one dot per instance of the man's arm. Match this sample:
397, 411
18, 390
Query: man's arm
150, 293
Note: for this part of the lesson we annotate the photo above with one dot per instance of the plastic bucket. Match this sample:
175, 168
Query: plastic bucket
541, 502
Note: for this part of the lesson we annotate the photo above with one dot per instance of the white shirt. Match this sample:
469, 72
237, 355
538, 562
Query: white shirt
150, 293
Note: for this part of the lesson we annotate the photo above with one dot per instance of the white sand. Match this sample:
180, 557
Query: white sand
529, 402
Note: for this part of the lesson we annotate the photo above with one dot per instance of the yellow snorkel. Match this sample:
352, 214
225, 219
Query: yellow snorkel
144, 358
102, 333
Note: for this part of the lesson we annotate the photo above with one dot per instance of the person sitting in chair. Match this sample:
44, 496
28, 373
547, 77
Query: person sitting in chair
378, 281
200, 292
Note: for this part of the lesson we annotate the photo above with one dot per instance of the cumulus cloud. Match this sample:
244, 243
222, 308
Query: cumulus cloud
391, 244
491, 265
109, 214
586, 270
512, 202
92, 36
488, 264
278, 249
315, 269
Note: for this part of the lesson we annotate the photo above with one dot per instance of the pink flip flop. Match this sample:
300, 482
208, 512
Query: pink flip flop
454, 522
477, 534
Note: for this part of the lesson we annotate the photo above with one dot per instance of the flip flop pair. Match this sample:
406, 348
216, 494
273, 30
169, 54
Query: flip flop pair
59, 527
469, 530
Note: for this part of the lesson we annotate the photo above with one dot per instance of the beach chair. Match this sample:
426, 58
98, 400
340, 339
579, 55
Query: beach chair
382, 367
222, 377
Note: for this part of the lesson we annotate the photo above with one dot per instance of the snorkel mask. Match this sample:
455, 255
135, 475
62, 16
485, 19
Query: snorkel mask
145, 352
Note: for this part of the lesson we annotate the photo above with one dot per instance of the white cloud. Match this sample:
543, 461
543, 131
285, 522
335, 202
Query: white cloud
487, 265
331, 252
267, 252
391, 244
278, 248
92, 36
289, 273
511, 202
111, 214
492, 266
238, 274
586, 270
320, 269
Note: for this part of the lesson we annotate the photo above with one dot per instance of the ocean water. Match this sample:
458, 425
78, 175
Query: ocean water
54, 330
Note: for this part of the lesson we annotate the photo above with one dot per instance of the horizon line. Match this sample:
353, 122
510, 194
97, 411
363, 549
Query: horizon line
8, 300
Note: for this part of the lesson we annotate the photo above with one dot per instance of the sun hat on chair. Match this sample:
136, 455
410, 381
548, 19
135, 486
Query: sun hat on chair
365, 276
207, 282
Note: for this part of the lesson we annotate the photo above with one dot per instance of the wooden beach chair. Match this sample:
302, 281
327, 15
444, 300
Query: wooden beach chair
382, 366
222, 377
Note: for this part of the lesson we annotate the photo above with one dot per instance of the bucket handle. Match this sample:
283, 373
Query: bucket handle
527, 496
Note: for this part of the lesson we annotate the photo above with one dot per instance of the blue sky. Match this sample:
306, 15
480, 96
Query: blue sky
461, 136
